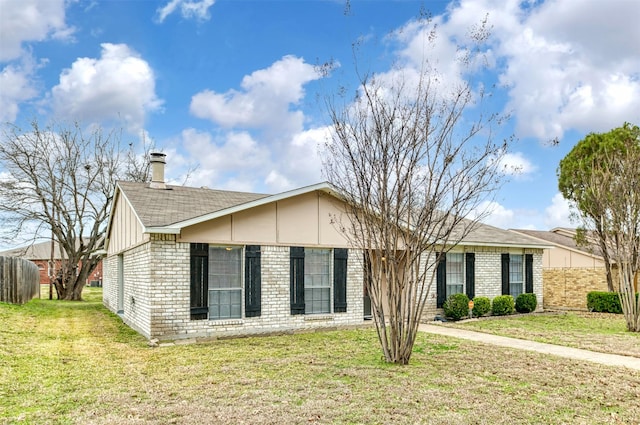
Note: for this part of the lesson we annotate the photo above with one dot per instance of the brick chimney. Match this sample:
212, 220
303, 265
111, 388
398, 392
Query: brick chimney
157, 160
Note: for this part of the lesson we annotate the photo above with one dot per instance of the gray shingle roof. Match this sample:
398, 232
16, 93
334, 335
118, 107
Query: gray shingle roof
486, 234
561, 240
163, 207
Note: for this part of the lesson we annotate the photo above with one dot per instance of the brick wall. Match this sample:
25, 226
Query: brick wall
157, 291
568, 287
136, 311
157, 294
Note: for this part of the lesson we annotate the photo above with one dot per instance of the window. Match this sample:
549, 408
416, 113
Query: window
225, 282
516, 275
312, 282
217, 281
455, 274
317, 282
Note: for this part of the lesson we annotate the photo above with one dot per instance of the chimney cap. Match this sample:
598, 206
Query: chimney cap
158, 157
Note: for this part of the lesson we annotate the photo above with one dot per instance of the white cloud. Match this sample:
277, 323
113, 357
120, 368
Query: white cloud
119, 86
564, 64
16, 87
264, 101
570, 65
558, 213
494, 214
30, 20
235, 160
189, 9
515, 164
226, 160
262, 144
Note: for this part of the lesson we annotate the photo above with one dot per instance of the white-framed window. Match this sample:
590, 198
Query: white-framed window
225, 282
317, 281
455, 274
516, 275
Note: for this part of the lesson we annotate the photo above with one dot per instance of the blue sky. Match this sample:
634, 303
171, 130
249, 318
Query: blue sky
230, 85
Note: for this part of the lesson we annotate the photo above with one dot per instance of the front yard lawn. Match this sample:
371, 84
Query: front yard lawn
76, 363
602, 332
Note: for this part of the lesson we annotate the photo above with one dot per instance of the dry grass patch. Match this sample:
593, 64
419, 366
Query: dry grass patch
93, 370
602, 332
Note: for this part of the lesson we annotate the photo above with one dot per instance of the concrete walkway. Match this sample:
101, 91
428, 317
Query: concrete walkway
556, 350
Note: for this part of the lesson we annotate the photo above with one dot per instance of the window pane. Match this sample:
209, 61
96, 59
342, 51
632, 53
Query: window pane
317, 267
225, 282
317, 281
516, 275
455, 274
317, 300
224, 267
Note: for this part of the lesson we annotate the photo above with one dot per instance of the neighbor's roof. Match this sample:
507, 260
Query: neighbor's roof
561, 237
36, 251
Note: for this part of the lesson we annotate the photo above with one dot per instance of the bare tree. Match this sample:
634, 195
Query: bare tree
613, 189
59, 181
413, 171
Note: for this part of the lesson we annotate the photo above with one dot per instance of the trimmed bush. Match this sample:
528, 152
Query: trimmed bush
481, 306
604, 302
456, 306
503, 305
526, 303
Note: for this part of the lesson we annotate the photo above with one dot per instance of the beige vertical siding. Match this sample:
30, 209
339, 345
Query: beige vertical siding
126, 230
304, 220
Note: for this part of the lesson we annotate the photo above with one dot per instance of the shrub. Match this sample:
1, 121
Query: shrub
481, 306
503, 305
604, 302
526, 303
456, 306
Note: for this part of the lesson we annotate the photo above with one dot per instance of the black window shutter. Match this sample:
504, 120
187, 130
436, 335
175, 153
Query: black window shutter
505, 274
528, 273
470, 274
340, 280
296, 271
252, 281
441, 280
199, 280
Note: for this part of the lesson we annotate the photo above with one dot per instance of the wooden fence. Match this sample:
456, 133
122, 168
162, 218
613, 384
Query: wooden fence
19, 280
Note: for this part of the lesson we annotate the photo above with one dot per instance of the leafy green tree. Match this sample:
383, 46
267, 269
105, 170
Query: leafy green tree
602, 177
574, 176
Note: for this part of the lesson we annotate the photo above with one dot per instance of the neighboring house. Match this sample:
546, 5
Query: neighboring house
570, 271
40, 254
195, 263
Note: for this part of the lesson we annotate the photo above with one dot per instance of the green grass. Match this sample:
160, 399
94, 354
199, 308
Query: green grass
591, 331
76, 363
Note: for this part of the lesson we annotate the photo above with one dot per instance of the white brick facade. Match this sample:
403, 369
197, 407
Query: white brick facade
157, 294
